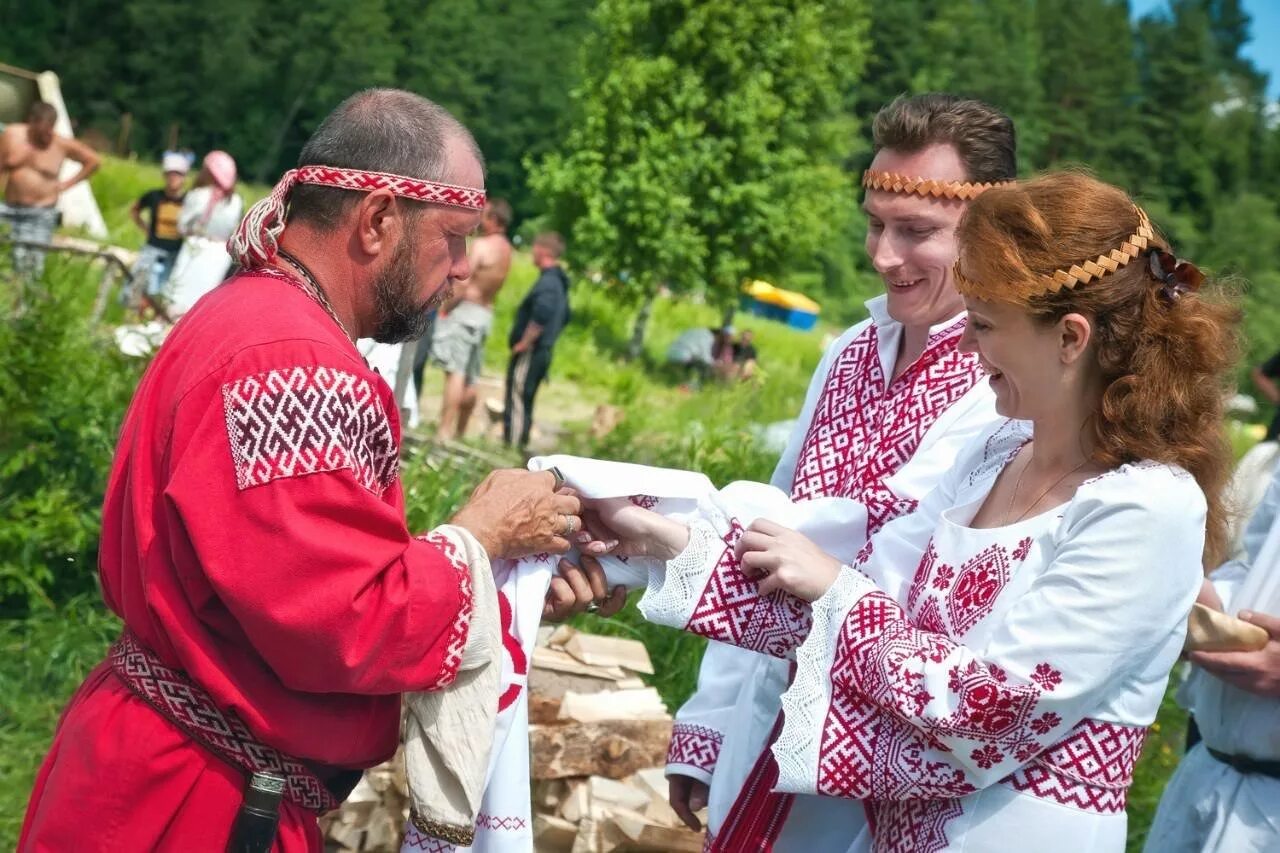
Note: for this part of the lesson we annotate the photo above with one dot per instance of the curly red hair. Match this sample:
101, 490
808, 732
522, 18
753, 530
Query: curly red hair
1166, 363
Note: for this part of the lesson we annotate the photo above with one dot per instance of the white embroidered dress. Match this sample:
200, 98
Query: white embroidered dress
859, 436
973, 686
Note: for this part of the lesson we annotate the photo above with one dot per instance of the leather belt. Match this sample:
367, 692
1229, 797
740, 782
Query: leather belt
1246, 765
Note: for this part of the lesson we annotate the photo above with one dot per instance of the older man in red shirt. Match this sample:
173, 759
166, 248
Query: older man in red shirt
254, 538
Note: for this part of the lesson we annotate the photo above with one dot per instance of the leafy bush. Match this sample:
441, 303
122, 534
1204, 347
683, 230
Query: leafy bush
63, 392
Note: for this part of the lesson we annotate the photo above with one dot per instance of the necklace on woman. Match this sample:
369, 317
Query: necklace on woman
1017, 486
312, 288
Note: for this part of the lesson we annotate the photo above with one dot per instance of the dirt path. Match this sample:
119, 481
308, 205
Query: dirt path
561, 407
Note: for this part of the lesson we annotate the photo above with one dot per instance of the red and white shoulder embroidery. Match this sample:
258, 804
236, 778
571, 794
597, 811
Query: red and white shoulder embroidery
1090, 769
456, 640
306, 420
731, 609
696, 746
864, 430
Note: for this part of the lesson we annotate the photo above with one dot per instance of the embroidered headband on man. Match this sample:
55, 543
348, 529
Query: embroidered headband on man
892, 182
254, 243
1074, 275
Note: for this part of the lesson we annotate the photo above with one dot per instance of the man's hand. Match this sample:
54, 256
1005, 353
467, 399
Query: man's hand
687, 795
1255, 672
516, 513
783, 559
577, 588
519, 347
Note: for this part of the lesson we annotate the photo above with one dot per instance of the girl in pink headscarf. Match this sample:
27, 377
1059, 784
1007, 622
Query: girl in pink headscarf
209, 217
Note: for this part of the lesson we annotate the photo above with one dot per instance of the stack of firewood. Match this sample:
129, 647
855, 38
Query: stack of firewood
598, 740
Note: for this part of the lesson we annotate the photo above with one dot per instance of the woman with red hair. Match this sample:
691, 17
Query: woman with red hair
988, 666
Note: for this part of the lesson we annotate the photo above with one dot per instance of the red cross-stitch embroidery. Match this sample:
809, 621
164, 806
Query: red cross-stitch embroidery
864, 430
306, 420
457, 638
1090, 769
910, 826
697, 746
731, 610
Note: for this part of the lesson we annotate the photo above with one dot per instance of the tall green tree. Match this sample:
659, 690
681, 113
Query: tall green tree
1178, 62
708, 141
505, 69
1089, 74
990, 49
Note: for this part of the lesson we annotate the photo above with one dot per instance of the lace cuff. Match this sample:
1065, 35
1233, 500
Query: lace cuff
675, 586
806, 702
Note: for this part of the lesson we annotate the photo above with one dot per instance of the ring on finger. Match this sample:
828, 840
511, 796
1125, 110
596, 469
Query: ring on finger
593, 607
570, 525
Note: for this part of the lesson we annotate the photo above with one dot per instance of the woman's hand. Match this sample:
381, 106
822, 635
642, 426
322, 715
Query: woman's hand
619, 527
786, 560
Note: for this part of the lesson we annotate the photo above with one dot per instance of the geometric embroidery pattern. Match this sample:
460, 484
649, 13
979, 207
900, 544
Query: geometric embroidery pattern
1090, 769
500, 824
696, 746
186, 704
731, 610
864, 429
456, 640
910, 826
969, 594
305, 420
416, 839
880, 665
981, 578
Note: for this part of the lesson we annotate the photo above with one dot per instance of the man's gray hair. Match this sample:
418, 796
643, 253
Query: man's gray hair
377, 130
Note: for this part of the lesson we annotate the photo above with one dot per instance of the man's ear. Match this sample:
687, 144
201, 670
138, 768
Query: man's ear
379, 222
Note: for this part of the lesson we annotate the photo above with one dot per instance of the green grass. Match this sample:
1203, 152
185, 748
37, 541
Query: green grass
42, 660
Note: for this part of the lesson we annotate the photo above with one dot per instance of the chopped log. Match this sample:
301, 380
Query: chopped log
553, 685
548, 795
577, 803
596, 650
588, 839
542, 709
611, 793
562, 661
668, 840
642, 704
553, 834
558, 636
614, 749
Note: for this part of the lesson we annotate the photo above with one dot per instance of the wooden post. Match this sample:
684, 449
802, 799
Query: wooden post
126, 130
173, 137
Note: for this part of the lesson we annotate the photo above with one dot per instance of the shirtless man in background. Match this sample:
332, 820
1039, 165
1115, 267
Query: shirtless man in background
465, 321
31, 156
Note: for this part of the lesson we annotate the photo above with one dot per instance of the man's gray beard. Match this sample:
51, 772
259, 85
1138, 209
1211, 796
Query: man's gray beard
399, 317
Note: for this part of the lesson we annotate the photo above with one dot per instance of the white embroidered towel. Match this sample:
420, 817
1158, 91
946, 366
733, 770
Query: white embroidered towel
504, 818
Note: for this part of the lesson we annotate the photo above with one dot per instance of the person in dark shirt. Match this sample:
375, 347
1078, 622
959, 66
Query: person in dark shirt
155, 260
540, 319
1264, 376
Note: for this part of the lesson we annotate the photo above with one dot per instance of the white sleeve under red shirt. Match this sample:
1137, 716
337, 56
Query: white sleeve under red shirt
254, 529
